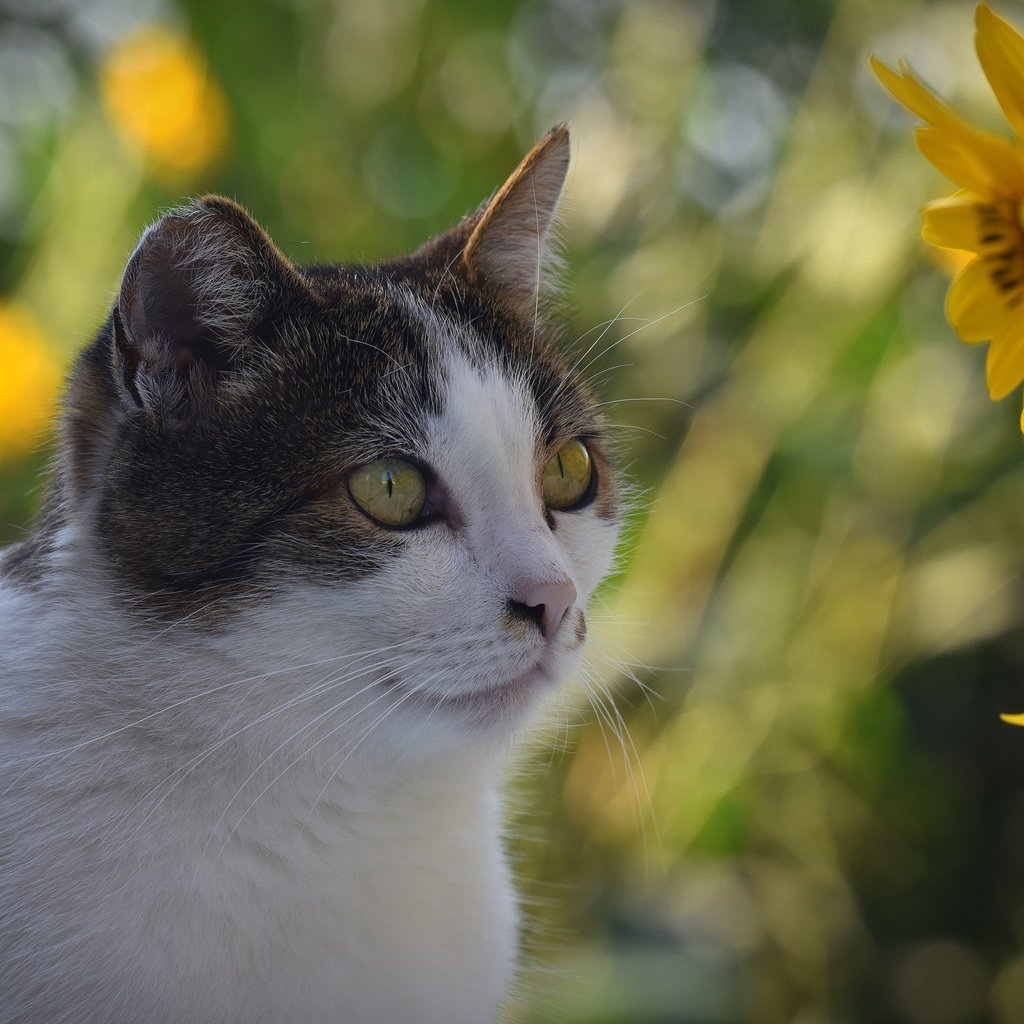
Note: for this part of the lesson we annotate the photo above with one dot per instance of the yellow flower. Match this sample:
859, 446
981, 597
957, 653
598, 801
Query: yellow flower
986, 216
163, 104
30, 375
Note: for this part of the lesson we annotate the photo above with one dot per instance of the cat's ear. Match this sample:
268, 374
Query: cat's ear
194, 294
510, 246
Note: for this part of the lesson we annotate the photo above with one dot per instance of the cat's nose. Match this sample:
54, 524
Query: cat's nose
545, 604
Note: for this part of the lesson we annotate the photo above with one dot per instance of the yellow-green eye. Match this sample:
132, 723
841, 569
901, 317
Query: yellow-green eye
566, 479
392, 491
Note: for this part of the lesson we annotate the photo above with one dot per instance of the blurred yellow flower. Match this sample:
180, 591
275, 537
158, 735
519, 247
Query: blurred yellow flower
985, 217
30, 377
163, 103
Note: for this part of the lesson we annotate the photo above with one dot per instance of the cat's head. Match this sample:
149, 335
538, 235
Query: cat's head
391, 470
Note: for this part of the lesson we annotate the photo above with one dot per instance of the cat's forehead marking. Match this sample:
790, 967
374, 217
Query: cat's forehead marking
485, 384
490, 410
486, 436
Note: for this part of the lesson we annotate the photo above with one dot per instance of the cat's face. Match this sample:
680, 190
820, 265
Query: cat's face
390, 471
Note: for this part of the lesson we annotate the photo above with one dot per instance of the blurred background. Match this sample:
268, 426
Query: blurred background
795, 801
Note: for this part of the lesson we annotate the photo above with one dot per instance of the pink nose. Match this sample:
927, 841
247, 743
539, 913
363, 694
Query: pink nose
546, 604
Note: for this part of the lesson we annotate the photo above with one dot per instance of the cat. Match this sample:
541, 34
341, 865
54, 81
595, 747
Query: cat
318, 542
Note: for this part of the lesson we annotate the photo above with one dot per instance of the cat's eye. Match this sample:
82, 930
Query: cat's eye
567, 476
391, 491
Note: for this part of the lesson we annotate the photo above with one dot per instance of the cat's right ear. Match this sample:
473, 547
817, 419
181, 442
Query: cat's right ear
510, 246
194, 295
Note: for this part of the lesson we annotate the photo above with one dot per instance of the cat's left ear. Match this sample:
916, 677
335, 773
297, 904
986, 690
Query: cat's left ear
194, 298
510, 246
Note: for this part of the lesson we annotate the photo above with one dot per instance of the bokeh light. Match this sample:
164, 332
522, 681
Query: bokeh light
29, 382
163, 104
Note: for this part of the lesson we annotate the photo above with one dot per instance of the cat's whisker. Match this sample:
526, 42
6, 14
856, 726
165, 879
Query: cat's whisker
608, 325
349, 656
618, 318
634, 426
560, 742
305, 753
65, 752
646, 326
573, 371
597, 378
639, 785
629, 670
332, 682
621, 663
599, 718
183, 771
605, 708
358, 741
238, 704
188, 617
298, 732
623, 401
647, 692
580, 367
552, 396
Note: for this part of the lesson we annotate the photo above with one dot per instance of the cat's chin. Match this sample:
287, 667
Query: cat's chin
497, 704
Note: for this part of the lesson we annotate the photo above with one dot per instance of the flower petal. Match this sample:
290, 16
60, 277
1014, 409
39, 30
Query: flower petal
974, 159
978, 161
1004, 365
917, 97
952, 223
1013, 719
952, 261
974, 305
1001, 52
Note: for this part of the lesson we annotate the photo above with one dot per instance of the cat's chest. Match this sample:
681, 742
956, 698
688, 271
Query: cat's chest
396, 913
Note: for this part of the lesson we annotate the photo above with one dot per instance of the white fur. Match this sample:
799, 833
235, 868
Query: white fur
258, 824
